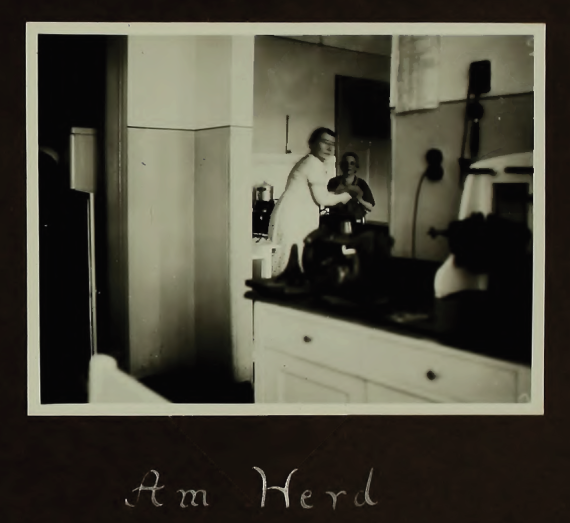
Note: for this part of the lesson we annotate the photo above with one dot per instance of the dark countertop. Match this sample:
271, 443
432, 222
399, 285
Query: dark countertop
426, 323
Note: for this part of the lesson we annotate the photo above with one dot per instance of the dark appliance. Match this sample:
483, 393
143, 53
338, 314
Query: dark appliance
347, 265
262, 209
502, 313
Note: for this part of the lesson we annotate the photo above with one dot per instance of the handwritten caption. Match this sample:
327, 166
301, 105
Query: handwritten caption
199, 497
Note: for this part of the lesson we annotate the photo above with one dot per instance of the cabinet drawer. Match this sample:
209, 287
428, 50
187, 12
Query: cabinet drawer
421, 367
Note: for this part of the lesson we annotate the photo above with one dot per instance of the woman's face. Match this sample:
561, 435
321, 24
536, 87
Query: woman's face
350, 165
324, 147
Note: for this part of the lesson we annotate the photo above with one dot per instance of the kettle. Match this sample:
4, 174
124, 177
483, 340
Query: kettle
264, 192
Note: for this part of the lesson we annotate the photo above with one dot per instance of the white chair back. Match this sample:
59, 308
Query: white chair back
109, 384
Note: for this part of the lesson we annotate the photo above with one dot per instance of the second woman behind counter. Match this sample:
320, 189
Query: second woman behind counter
362, 201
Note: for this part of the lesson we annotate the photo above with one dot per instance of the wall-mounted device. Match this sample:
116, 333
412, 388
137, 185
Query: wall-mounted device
83, 147
83, 178
480, 77
434, 173
479, 83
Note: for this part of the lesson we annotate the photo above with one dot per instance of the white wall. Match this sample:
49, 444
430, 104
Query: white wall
189, 226
162, 82
223, 210
160, 202
373, 44
512, 64
213, 61
212, 256
161, 248
507, 127
298, 79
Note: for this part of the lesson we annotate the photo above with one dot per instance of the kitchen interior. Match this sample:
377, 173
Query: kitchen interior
429, 299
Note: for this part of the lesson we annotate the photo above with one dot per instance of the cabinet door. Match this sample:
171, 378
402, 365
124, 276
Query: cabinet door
422, 367
376, 393
284, 379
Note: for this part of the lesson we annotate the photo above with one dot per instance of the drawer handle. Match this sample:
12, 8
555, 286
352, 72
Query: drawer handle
431, 375
307, 339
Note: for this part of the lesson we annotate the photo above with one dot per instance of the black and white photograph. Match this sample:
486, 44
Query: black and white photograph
261, 219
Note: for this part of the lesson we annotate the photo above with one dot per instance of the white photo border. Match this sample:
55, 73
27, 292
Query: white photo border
33, 29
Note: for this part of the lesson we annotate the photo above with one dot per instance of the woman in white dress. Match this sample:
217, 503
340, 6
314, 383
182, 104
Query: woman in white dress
296, 214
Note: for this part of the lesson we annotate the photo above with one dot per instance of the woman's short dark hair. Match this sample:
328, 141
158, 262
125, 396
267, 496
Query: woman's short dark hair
317, 133
344, 161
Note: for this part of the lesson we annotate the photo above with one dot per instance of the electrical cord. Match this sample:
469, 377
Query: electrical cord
415, 218
465, 125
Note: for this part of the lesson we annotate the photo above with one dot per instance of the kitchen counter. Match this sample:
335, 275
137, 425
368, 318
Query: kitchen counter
310, 350
414, 322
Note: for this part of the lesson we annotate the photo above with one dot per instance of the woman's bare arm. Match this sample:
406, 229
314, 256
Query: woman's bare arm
327, 199
365, 204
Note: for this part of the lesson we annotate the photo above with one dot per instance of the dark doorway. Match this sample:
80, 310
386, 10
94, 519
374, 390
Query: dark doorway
363, 126
71, 93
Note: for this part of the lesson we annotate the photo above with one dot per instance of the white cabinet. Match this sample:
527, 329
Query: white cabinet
376, 393
293, 380
308, 358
